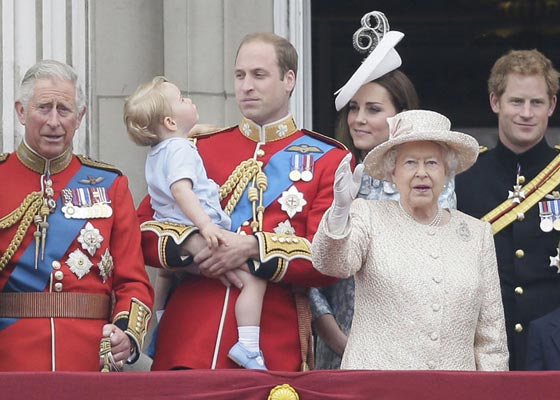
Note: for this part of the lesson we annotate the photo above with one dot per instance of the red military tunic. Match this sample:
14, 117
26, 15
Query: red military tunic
188, 333
116, 267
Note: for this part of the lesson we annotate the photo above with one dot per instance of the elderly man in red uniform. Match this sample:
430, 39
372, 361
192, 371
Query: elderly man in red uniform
71, 271
276, 181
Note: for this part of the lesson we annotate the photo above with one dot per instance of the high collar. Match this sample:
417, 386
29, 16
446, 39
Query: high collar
40, 164
536, 157
270, 132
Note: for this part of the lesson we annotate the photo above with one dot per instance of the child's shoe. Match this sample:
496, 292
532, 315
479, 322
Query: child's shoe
245, 358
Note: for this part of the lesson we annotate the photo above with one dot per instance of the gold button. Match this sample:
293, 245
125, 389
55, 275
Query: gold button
519, 253
58, 286
56, 264
520, 179
260, 153
518, 328
519, 290
520, 216
58, 275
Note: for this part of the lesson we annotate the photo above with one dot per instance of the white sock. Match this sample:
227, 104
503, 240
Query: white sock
249, 337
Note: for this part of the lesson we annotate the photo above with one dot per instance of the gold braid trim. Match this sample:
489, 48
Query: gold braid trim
237, 182
26, 211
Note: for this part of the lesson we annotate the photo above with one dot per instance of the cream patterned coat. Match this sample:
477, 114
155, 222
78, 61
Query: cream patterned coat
426, 297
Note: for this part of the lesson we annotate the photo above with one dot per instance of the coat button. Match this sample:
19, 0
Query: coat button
519, 253
56, 264
434, 336
260, 153
519, 290
518, 328
58, 287
58, 275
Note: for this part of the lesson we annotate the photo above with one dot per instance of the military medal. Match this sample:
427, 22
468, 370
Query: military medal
556, 213
296, 166
307, 173
555, 261
106, 265
292, 201
546, 224
86, 203
517, 194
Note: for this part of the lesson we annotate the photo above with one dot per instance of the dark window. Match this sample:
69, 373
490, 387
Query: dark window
448, 49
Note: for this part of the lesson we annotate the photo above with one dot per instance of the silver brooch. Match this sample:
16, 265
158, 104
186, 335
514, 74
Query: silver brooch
464, 232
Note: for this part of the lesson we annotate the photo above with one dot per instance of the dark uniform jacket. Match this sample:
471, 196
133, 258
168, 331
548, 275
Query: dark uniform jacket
530, 285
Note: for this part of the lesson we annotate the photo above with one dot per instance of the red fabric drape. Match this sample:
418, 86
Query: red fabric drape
249, 385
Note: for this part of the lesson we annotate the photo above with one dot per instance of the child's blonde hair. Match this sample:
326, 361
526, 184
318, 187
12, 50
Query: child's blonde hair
145, 110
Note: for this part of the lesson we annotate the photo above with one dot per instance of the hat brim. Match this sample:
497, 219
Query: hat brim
466, 149
382, 60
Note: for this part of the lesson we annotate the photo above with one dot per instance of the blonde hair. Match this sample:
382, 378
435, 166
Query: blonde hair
145, 110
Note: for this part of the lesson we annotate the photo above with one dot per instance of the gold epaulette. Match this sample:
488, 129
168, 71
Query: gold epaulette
557, 147
3, 157
287, 247
482, 149
138, 319
325, 138
85, 160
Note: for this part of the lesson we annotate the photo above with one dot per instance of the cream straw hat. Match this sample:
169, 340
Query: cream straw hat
417, 126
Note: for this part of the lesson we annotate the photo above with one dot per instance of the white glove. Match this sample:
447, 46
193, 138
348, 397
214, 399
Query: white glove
345, 188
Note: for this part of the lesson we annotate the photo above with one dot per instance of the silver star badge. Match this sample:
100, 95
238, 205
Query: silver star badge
106, 265
285, 228
79, 263
517, 194
555, 261
292, 201
90, 238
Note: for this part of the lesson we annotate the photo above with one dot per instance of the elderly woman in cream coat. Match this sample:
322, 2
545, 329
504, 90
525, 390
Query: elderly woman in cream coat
427, 286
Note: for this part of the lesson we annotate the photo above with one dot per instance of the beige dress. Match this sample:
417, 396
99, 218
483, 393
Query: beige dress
426, 297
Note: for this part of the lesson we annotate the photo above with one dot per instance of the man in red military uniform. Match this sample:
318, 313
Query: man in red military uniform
276, 181
71, 271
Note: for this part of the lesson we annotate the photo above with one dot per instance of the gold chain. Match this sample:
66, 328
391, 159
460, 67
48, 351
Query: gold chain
28, 208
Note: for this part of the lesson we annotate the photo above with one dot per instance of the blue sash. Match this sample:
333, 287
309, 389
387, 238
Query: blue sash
277, 169
60, 235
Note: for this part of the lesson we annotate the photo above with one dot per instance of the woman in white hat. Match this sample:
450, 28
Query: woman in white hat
375, 92
427, 287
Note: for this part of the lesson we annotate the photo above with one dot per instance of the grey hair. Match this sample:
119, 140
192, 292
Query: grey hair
50, 69
449, 159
